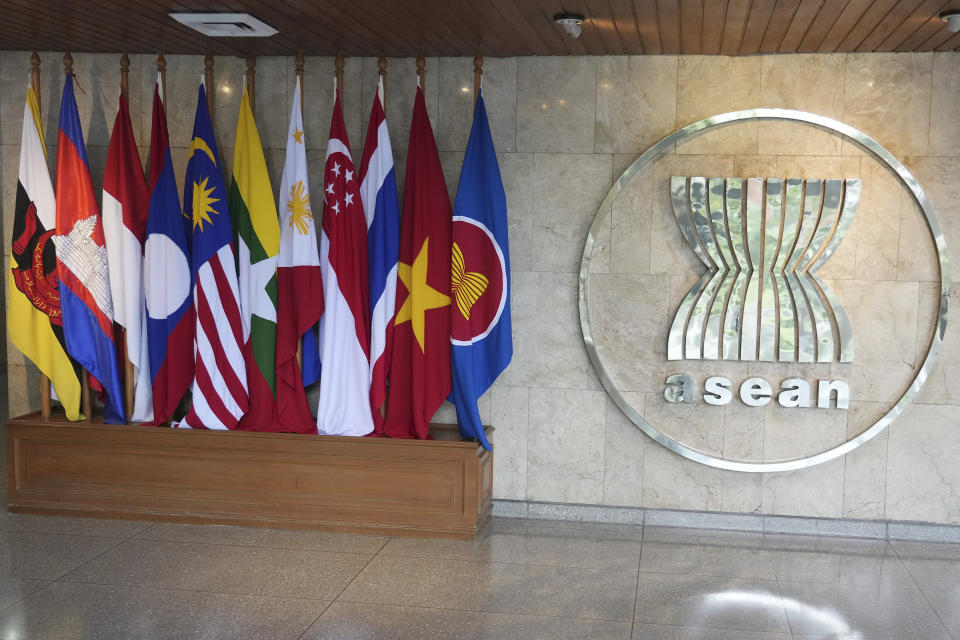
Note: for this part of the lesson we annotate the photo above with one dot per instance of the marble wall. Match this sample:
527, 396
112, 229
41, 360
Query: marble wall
565, 128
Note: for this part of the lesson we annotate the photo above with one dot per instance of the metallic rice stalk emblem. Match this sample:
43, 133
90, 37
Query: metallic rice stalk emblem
762, 242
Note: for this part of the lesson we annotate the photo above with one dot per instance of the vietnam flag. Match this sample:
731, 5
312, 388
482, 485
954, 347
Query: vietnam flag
420, 373
257, 231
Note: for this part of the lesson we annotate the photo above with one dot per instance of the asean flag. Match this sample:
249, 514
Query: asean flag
480, 332
82, 262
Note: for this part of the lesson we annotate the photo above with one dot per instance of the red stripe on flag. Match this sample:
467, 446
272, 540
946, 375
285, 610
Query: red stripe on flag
231, 307
205, 386
215, 339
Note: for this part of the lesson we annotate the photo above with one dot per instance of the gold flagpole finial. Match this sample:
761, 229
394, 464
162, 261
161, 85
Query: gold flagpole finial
68, 63
421, 70
125, 75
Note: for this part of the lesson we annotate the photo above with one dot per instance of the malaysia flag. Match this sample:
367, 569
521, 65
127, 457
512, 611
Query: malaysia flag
82, 262
344, 343
378, 189
125, 208
167, 277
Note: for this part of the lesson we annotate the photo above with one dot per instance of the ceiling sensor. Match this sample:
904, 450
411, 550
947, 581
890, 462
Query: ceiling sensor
952, 18
571, 23
225, 25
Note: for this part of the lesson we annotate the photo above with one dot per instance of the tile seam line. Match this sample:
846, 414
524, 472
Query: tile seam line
65, 580
19, 600
498, 611
512, 564
922, 594
249, 546
97, 557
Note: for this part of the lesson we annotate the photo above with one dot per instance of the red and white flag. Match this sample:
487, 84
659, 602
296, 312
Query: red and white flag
125, 208
344, 342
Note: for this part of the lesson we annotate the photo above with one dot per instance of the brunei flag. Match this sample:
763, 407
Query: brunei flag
257, 231
82, 262
34, 319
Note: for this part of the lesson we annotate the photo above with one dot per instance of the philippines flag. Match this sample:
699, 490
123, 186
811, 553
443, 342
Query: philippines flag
125, 208
82, 262
220, 396
167, 278
378, 189
344, 343
480, 332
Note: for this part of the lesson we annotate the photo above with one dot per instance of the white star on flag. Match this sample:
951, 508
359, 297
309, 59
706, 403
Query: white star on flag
336, 168
349, 199
349, 175
336, 208
330, 188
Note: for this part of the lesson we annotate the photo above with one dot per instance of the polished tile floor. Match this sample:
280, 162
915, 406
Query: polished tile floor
522, 579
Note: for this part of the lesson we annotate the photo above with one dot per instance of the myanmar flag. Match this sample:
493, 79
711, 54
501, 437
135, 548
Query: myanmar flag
257, 231
34, 318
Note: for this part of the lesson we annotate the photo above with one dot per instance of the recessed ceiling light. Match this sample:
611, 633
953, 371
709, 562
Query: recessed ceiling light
952, 18
225, 25
570, 22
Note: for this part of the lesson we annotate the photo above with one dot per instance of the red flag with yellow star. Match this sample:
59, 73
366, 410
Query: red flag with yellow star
420, 373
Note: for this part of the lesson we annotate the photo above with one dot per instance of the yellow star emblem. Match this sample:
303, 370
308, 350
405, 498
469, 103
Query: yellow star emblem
203, 203
298, 136
421, 297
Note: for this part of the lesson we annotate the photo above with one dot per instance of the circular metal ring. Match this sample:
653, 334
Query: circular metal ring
866, 143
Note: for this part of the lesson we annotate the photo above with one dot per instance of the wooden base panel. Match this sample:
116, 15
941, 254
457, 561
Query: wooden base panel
423, 488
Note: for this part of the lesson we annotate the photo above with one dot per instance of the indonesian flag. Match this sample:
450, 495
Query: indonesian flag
344, 405
378, 188
125, 209
82, 266
299, 288
257, 233
420, 373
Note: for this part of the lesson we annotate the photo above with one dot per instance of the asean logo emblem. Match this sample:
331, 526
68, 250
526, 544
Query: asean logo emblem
478, 281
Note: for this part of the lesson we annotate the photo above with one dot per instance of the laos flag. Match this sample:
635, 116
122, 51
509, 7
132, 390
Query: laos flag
82, 263
480, 333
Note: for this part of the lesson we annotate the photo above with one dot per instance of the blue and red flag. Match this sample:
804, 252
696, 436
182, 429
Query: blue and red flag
480, 333
378, 190
167, 279
82, 263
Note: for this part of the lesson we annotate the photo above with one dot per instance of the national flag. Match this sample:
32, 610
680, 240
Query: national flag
257, 233
167, 278
420, 372
344, 341
85, 297
480, 332
378, 189
220, 396
299, 288
125, 208
34, 318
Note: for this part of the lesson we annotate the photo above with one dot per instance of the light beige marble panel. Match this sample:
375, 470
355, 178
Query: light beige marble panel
878, 223
499, 88
923, 477
697, 425
741, 492
567, 190
754, 166
944, 125
883, 332
228, 79
566, 462
941, 386
672, 482
743, 432
811, 83
14, 79
938, 177
624, 447
630, 219
636, 101
273, 99
401, 90
184, 73
630, 321
916, 255
9, 169
865, 470
318, 98
556, 104
23, 385
516, 171
547, 345
710, 85
887, 96
510, 416
795, 432
815, 492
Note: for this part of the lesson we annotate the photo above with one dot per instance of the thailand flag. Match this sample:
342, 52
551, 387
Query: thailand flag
82, 262
378, 190
344, 343
480, 334
125, 207
167, 277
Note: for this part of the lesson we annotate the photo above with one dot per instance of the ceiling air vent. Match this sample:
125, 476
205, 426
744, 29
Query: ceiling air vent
225, 25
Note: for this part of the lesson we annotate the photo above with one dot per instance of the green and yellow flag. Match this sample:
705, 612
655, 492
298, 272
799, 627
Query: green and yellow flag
257, 230
34, 319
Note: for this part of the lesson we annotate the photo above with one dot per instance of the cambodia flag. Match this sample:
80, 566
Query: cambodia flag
480, 332
82, 262
378, 190
420, 372
167, 277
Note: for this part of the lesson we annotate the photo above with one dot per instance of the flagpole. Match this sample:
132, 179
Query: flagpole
477, 76
35, 82
338, 64
208, 81
162, 70
251, 80
421, 71
299, 62
85, 402
382, 72
128, 374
